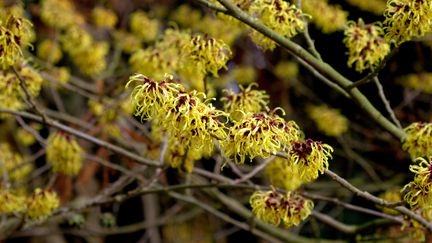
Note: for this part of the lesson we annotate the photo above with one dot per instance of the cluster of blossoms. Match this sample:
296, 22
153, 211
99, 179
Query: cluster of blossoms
419, 191
88, 55
329, 18
37, 206
418, 81
64, 153
283, 174
259, 134
60, 14
145, 28
183, 116
248, 100
407, 19
366, 45
276, 208
11, 93
329, 121
282, 17
15, 33
104, 18
13, 163
189, 57
418, 139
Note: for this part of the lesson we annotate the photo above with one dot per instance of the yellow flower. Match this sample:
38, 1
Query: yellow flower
64, 153
11, 203
186, 16
14, 34
418, 81
280, 16
248, 100
366, 46
211, 53
329, 121
41, 204
244, 75
128, 42
151, 62
329, 18
407, 19
105, 18
276, 208
258, 134
151, 97
144, 27
14, 164
416, 195
390, 196
311, 157
60, 14
286, 70
423, 172
49, 51
283, 174
418, 139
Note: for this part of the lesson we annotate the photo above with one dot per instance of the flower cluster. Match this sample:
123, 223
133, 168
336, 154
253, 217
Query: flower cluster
329, 18
37, 206
407, 19
418, 81
104, 18
284, 174
14, 33
280, 16
11, 95
419, 191
190, 124
311, 157
86, 54
60, 14
276, 208
41, 204
259, 134
366, 46
10, 202
142, 26
418, 139
247, 100
390, 196
64, 153
329, 121
209, 53
49, 51
13, 163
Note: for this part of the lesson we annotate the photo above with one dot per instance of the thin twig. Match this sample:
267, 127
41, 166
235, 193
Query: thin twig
85, 136
255, 171
386, 102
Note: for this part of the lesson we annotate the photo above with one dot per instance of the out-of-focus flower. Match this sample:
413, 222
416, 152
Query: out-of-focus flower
41, 204
418, 139
244, 75
329, 18
49, 51
286, 70
277, 208
103, 17
366, 45
418, 81
11, 203
283, 174
60, 14
374, 6
391, 196
329, 121
64, 153
143, 26
13, 163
